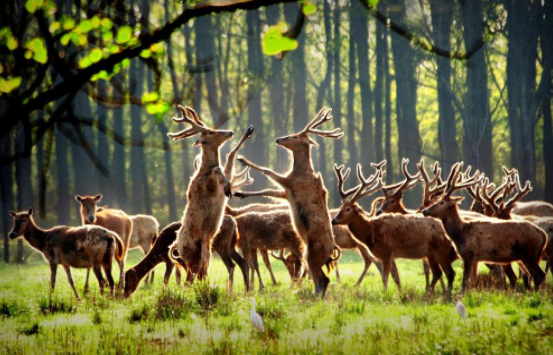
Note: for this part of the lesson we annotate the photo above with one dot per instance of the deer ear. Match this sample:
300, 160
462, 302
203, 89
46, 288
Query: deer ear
196, 143
30, 211
78, 198
13, 214
97, 198
312, 142
457, 199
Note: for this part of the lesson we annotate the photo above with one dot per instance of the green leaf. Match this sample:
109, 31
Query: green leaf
95, 22
68, 23
106, 24
157, 47
145, 53
150, 97
124, 34
107, 36
309, 8
151, 108
54, 26
7, 85
84, 26
36, 45
12, 43
373, 3
33, 5
274, 42
65, 39
126, 62
85, 62
95, 55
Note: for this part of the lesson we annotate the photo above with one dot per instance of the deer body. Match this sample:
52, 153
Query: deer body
79, 247
112, 219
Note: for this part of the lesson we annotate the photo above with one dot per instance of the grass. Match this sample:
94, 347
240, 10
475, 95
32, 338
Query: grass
206, 319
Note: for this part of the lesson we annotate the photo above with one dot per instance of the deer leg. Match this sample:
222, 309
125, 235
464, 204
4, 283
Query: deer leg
267, 263
218, 174
256, 268
178, 276
533, 267
230, 268
70, 279
510, 273
101, 282
279, 179
387, 265
107, 269
53, 272
206, 258
242, 265
468, 268
367, 262
426, 269
436, 274
168, 270
121, 284
86, 287
395, 275
263, 193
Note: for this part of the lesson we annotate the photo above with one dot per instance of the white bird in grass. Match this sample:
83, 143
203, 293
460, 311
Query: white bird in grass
461, 309
257, 322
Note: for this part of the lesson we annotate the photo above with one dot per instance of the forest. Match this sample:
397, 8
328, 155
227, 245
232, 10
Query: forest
88, 89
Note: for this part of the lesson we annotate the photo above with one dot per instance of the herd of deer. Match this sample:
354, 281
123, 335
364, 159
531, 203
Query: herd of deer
498, 231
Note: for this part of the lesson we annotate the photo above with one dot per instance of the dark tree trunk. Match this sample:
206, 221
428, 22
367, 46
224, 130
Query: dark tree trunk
522, 35
102, 145
381, 53
352, 149
546, 41
119, 159
169, 180
6, 191
337, 108
276, 92
409, 141
442, 19
83, 168
299, 70
477, 139
63, 202
388, 108
256, 147
360, 34
136, 76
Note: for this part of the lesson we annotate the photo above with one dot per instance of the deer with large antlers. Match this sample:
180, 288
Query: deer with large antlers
304, 190
208, 193
394, 236
488, 240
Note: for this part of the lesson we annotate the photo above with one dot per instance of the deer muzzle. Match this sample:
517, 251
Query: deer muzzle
12, 235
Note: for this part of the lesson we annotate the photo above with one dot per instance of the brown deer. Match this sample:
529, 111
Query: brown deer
304, 190
394, 236
208, 193
112, 219
78, 247
224, 244
495, 241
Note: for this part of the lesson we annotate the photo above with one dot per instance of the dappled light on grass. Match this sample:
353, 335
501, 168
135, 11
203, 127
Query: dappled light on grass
205, 319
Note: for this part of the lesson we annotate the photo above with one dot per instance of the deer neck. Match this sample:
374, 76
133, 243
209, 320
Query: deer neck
303, 165
401, 207
210, 158
453, 224
35, 236
358, 226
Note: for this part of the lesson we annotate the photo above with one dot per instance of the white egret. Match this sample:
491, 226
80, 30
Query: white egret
257, 322
461, 309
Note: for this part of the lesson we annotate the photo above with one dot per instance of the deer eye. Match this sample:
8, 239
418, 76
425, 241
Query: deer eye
210, 132
441, 203
348, 209
393, 201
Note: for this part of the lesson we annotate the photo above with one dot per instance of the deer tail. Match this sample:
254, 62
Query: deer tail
120, 252
331, 263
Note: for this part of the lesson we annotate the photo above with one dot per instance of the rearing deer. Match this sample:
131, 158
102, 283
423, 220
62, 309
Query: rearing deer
208, 193
306, 194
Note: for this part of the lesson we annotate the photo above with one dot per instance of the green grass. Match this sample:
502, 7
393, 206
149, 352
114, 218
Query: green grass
206, 319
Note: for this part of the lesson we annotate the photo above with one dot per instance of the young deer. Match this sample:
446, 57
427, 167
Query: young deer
495, 241
394, 236
224, 244
208, 193
79, 247
304, 190
114, 220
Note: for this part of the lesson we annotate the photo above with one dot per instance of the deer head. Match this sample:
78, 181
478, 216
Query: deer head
349, 207
456, 181
503, 209
88, 207
208, 137
302, 139
22, 222
393, 194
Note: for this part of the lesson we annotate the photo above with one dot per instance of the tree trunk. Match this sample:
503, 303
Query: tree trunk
477, 139
6, 191
442, 19
83, 168
381, 53
522, 35
352, 148
63, 202
119, 159
546, 41
337, 108
360, 34
102, 145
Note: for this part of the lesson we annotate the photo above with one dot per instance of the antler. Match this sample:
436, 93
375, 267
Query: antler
323, 116
231, 157
367, 186
280, 256
453, 184
429, 191
241, 179
410, 180
341, 178
521, 193
191, 117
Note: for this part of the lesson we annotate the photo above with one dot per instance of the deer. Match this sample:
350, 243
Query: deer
78, 247
112, 219
208, 193
391, 236
304, 190
224, 244
496, 241
144, 232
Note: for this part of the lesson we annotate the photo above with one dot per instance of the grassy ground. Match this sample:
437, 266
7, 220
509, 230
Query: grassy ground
205, 318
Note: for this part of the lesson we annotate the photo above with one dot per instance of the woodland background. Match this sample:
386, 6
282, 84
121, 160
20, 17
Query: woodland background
88, 89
